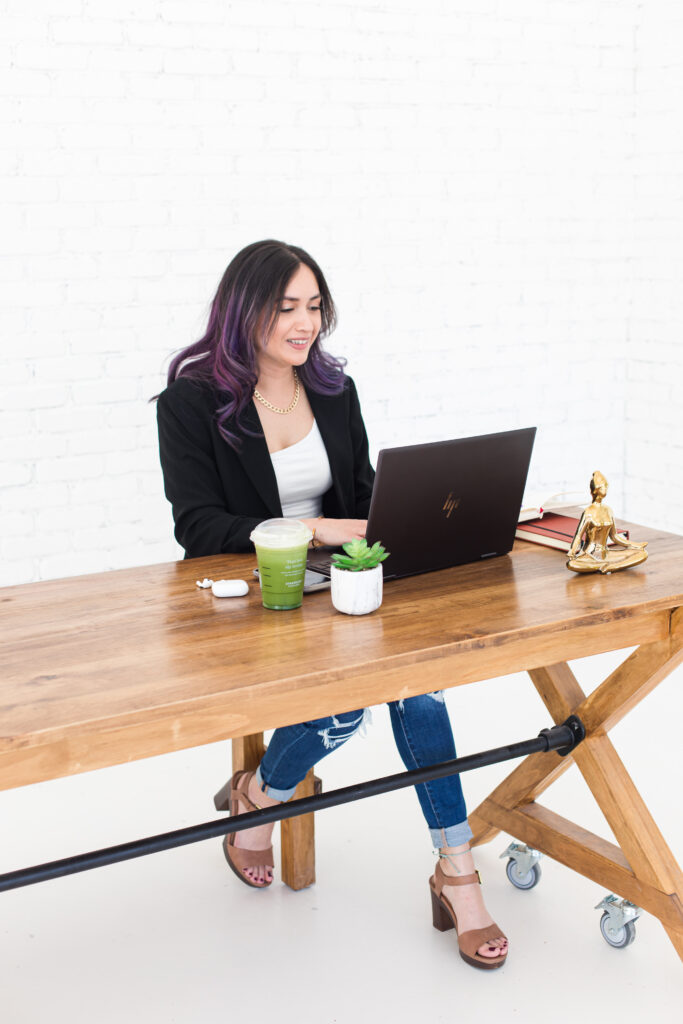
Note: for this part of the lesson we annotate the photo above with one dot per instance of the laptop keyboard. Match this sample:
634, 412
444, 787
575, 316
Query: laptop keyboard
320, 563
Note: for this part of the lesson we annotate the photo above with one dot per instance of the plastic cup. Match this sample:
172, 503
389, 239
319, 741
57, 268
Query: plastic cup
281, 549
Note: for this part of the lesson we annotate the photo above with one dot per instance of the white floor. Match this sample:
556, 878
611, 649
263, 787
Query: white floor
175, 938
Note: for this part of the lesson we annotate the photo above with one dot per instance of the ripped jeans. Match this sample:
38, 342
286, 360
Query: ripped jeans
423, 735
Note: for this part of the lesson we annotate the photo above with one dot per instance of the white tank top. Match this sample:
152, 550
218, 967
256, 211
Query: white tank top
303, 475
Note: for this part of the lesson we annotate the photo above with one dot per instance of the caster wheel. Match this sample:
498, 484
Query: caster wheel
523, 879
617, 937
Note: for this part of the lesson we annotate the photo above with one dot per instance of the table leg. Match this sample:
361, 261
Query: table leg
247, 752
641, 868
298, 841
297, 835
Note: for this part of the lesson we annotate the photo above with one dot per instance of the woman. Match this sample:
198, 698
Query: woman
258, 421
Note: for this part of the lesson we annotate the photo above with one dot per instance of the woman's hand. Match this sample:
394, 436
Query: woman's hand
334, 532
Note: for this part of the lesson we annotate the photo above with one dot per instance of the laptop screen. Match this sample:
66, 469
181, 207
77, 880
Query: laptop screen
449, 502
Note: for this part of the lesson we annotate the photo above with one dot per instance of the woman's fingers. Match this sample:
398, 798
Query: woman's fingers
339, 531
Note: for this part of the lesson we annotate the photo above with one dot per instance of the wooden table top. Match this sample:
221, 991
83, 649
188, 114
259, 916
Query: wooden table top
114, 666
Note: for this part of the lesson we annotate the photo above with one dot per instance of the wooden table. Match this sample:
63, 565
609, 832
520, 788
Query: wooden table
102, 669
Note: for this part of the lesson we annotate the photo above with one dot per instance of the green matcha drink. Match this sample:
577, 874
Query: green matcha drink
281, 549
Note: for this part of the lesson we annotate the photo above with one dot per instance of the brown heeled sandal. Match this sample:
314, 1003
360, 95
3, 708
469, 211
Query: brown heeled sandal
444, 918
234, 793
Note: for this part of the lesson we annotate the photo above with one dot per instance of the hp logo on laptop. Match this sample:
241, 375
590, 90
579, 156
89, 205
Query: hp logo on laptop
450, 504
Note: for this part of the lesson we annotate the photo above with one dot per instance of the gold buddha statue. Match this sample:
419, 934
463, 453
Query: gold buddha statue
589, 551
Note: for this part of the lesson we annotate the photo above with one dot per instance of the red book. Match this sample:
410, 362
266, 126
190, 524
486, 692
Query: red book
551, 530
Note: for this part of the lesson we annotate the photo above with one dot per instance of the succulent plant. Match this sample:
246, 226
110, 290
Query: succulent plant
359, 556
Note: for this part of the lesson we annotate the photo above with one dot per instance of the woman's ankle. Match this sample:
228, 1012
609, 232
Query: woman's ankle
259, 796
456, 860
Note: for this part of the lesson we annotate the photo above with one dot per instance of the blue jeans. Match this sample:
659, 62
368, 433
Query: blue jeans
423, 735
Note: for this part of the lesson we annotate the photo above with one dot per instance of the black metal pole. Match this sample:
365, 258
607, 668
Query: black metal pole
562, 738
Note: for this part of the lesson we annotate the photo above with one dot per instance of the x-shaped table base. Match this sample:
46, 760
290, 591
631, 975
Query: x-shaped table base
641, 868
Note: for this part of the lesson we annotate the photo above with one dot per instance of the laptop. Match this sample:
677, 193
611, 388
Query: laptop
445, 503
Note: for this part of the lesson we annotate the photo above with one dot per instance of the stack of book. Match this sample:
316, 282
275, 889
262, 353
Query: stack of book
553, 529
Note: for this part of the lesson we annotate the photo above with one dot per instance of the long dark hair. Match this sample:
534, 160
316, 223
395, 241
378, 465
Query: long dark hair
245, 304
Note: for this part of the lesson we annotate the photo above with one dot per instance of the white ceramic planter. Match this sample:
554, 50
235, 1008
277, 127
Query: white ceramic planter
357, 593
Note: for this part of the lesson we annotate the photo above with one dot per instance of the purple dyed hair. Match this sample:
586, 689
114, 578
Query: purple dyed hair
248, 298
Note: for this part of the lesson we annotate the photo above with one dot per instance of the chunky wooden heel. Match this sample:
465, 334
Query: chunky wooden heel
221, 801
441, 919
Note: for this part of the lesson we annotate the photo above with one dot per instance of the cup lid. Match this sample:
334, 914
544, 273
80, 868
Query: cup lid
281, 533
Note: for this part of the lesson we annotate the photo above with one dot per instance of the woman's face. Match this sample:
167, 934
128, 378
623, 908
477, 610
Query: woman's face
296, 325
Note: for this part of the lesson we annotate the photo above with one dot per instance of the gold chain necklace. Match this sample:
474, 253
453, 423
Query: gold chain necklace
273, 408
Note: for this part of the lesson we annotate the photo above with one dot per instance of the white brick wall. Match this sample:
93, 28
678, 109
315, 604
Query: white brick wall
653, 388
493, 189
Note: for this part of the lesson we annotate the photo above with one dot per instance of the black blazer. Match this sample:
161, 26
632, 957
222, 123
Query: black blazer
218, 495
